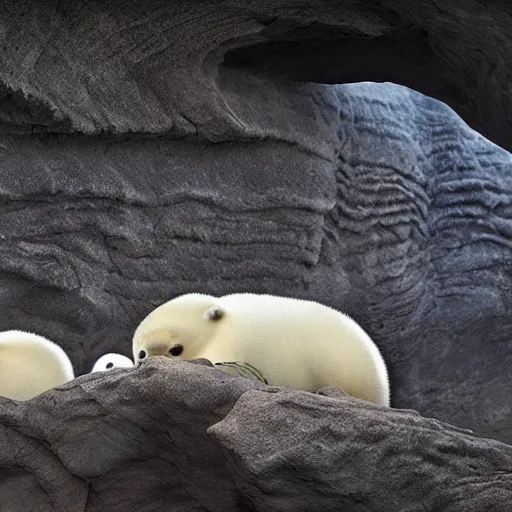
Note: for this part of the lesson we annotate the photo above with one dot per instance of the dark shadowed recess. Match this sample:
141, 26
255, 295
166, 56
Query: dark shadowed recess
457, 52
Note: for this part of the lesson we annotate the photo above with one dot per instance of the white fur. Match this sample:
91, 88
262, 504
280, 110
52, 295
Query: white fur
294, 343
117, 361
30, 364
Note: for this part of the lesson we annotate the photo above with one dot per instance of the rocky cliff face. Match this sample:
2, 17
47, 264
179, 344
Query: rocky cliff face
150, 149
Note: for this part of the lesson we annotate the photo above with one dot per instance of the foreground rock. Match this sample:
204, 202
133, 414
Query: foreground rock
181, 437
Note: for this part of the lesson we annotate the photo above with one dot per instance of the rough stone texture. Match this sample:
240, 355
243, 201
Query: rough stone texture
173, 436
149, 149
292, 451
153, 67
122, 441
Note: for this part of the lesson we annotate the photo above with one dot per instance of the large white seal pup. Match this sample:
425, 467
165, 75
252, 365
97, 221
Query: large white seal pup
110, 361
291, 343
31, 364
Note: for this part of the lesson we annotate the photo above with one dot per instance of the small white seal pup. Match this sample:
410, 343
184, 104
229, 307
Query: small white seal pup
289, 342
111, 361
31, 364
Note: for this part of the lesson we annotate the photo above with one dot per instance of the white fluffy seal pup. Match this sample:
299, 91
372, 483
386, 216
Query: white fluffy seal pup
111, 361
31, 364
288, 342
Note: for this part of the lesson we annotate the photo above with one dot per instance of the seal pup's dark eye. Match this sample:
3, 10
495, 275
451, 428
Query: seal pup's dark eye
177, 350
110, 365
142, 354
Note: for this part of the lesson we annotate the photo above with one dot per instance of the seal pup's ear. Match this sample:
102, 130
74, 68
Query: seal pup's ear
214, 313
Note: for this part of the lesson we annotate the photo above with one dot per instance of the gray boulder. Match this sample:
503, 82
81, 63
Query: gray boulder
176, 436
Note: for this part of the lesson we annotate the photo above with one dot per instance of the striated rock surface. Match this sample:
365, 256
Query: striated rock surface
404, 226
184, 67
174, 436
